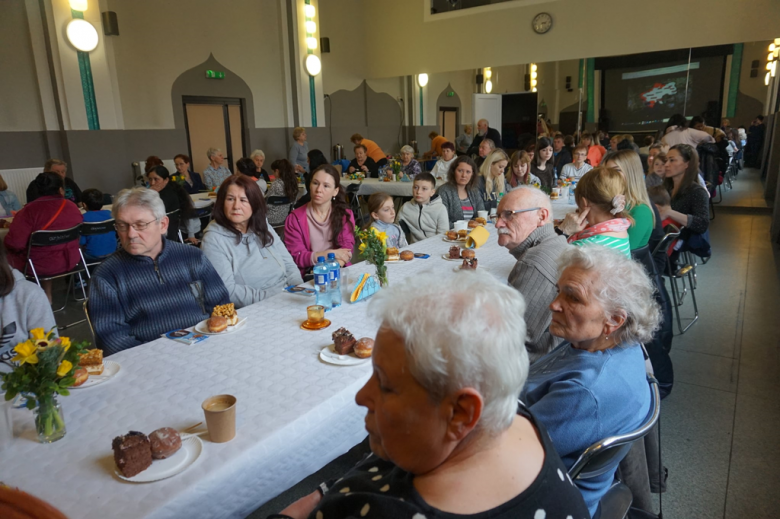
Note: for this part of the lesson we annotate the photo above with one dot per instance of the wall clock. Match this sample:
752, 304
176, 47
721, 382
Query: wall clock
542, 23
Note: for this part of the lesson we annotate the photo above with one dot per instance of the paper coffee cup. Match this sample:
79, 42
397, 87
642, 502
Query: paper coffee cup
477, 237
556, 191
460, 225
482, 214
220, 414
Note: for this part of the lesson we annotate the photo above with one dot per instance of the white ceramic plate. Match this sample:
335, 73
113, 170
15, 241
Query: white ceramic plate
191, 449
203, 328
110, 369
447, 257
459, 240
329, 355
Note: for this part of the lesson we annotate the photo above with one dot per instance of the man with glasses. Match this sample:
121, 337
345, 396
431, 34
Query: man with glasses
525, 228
152, 285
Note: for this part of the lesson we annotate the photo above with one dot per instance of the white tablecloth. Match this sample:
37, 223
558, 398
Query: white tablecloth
369, 186
295, 413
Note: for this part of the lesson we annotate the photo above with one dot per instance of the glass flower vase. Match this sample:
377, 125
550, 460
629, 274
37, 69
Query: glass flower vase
49, 420
381, 274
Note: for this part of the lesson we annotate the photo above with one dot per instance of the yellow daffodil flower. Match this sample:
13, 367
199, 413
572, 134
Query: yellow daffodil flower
64, 368
65, 343
383, 237
26, 352
38, 334
362, 248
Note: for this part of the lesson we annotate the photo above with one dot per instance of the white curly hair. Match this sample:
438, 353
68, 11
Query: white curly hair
622, 286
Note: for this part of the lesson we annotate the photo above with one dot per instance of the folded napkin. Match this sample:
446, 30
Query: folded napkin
366, 287
477, 237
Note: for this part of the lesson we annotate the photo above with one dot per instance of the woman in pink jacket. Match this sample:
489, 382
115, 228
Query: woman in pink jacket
323, 225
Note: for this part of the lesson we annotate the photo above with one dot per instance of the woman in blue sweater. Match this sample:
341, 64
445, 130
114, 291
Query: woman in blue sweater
594, 385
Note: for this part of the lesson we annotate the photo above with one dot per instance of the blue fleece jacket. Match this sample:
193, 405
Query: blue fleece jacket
582, 397
135, 299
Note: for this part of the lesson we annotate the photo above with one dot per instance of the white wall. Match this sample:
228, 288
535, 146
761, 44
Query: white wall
161, 39
581, 29
20, 102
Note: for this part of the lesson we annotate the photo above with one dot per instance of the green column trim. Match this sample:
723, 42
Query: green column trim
87, 84
579, 70
313, 98
591, 74
422, 121
736, 66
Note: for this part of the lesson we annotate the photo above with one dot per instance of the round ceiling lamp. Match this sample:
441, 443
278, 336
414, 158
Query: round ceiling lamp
313, 65
82, 35
422, 79
78, 5
311, 42
309, 10
488, 86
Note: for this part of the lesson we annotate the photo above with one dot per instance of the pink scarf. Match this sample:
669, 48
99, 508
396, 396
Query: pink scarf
614, 225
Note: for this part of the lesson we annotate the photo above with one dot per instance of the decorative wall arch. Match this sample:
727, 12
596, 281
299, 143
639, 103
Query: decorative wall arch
449, 102
193, 82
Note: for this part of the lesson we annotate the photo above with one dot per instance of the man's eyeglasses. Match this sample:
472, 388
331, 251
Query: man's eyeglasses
138, 226
507, 215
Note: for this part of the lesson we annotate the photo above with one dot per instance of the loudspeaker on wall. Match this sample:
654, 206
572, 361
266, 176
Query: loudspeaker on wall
110, 23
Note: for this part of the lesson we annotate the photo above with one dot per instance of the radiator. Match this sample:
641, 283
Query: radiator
19, 179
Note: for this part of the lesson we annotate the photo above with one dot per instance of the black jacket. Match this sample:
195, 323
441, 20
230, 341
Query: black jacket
373, 169
563, 158
491, 134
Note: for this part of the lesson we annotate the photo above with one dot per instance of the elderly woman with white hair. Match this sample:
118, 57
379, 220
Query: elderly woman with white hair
258, 157
447, 432
409, 165
594, 385
216, 172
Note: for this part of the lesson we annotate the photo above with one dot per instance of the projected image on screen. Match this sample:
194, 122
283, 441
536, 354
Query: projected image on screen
644, 98
657, 96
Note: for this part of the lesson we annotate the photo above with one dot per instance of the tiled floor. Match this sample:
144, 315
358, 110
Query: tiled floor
721, 424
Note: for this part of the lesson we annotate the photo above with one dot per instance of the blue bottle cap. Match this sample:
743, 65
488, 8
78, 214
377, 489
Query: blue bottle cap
320, 259
331, 256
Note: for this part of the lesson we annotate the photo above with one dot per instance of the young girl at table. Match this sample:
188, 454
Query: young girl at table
382, 210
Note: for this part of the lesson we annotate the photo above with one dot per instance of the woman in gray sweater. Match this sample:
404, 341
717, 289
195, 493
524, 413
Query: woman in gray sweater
246, 252
460, 194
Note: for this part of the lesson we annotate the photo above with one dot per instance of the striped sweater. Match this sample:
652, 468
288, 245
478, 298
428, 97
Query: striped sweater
135, 299
535, 275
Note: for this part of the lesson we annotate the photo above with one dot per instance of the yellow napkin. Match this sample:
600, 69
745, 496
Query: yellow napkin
477, 237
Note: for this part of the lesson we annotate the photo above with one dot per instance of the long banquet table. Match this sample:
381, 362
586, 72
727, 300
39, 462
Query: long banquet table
295, 413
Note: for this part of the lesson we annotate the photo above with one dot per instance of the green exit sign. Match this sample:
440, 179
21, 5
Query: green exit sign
211, 74
450, 94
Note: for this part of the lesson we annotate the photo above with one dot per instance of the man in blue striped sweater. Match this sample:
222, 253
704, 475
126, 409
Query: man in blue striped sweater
152, 285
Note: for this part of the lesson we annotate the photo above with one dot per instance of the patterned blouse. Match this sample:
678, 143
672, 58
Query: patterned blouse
411, 169
214, 177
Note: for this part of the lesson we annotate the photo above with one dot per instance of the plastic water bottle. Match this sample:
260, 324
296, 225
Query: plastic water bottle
571, 192
334, 277
322, 284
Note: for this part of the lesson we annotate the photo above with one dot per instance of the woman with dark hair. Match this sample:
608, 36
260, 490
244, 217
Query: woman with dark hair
362, 163
690, 202
677, 132
323, 225
542, 164
152, 161
316, 159
460, 195
23, 307
175, 198
50, 211
192, 181
285, 185
246, 252
248, 167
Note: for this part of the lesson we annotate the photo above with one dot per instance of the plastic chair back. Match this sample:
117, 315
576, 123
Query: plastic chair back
49, 238
97, 228
604, 455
